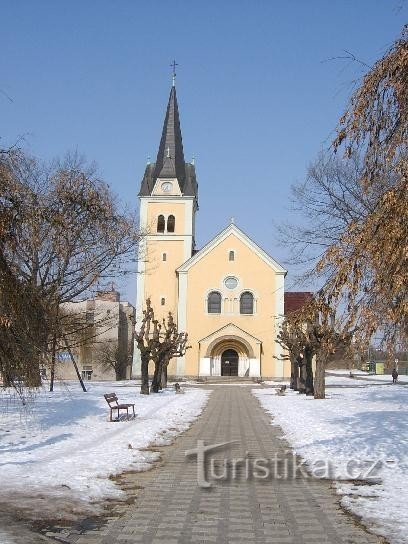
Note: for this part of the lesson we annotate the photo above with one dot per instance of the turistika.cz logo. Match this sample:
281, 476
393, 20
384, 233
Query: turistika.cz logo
279, 467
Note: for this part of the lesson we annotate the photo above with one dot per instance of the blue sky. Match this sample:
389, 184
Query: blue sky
258, 96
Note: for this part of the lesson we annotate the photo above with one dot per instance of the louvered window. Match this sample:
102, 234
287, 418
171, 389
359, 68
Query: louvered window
171, 223
214, 303
161, 223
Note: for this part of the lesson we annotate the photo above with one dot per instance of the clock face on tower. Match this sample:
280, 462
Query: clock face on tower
166, 187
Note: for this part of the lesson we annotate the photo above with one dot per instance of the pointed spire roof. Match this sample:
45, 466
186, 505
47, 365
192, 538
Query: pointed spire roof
170, 161
170, 158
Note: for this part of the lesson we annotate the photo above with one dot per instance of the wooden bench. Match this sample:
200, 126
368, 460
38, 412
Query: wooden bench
112, 400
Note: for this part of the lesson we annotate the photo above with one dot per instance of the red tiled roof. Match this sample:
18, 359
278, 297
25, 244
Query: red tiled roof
295, 300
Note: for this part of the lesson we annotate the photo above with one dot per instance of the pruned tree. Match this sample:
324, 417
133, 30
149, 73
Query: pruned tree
292, 339
308, 334
146, 338
169, 344
158, 342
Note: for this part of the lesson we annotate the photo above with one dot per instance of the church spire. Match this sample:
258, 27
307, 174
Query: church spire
170, 163
170, 157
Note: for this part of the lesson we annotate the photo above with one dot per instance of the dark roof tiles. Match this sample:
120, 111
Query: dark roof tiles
295, 300
170, 161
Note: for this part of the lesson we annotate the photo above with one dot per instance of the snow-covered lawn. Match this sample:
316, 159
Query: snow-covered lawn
359, 425
57, 452
360, 375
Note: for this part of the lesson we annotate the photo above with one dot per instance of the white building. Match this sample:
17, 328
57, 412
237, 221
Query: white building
102, 339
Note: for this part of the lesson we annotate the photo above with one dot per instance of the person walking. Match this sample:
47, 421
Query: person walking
394, 375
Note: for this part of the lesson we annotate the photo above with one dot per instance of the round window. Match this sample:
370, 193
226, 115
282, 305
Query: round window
230, 282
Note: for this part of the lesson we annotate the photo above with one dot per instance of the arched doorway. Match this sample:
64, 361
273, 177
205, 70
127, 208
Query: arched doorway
229, 363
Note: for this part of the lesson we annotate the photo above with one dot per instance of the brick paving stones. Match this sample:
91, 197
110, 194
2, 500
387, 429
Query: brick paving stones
172, 508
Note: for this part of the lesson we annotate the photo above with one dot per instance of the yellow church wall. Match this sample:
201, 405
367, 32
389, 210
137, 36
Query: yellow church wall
160, 278
185, 293
253, 274
167, 208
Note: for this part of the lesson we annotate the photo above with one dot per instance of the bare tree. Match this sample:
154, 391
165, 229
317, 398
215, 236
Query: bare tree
355, 209
170, 343
291, 339
305, 338
158, 342
70, 234
109, 356
369, 262
146, 338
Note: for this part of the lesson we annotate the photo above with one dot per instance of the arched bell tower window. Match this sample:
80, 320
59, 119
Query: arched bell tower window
161, 224
246, 303
171, 223
214, 303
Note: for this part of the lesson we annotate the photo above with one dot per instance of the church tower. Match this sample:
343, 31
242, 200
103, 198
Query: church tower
168, 204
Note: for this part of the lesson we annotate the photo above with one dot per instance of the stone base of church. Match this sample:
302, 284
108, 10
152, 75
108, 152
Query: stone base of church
247, 368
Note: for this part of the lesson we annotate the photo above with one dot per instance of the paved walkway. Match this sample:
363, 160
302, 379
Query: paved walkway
171, 508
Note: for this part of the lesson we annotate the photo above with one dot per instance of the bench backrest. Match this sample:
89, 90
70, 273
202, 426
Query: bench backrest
111, 398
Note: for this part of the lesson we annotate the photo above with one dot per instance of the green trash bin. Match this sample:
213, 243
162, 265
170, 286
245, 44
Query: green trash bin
379, 368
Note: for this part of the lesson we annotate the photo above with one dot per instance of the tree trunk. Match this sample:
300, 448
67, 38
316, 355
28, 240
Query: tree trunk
144, 389
33, 376
155, 387
7, 381
53, 356
163, 378
75, 366
319, 380
302, 376
294, 373
308, 358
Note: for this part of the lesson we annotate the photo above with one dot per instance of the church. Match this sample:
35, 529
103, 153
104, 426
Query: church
228, 296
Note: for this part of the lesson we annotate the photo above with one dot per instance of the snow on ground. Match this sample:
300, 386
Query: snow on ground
58, 451
358, 426
342, 377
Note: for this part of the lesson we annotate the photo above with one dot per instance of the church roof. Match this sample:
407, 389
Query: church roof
232, 229
170, 161
294, 300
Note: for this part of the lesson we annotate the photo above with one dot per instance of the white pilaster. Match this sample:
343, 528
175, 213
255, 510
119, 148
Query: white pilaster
254, 368
140, 281
279, 316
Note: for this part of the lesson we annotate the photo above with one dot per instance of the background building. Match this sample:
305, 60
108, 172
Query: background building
102, 338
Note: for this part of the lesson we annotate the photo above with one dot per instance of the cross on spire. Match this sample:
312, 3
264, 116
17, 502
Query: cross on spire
173, 65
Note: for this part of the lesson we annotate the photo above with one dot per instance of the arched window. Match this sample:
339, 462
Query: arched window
171, 223
246, 303
164, 257
162, 301
160, 223
214, 303
231, 256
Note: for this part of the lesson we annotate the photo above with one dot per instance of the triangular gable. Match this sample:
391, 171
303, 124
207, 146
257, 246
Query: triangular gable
230, 329
232, 229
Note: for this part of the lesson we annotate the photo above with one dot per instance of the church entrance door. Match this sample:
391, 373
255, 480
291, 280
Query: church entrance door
229, 363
